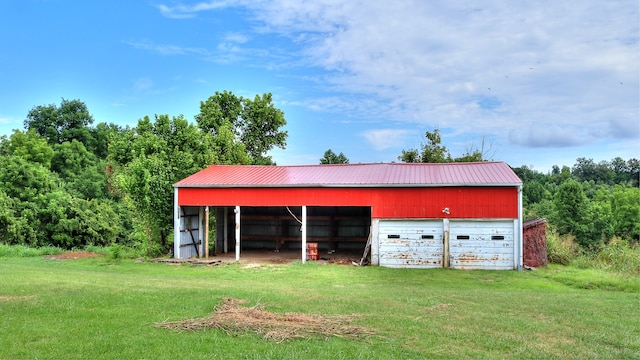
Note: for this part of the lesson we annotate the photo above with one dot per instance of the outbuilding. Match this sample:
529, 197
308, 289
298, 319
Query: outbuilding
458, 215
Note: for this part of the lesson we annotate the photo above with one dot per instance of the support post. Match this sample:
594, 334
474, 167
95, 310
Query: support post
237, 211
225, 237
445, 244
304, 234
518, 233
206, 232
176, 225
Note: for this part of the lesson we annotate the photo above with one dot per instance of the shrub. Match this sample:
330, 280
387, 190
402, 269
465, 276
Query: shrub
561, 250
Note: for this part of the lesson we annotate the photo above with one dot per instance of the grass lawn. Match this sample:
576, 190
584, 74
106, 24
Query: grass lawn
99, 308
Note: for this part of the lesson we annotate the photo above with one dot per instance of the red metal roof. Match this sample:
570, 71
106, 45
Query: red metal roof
355, 175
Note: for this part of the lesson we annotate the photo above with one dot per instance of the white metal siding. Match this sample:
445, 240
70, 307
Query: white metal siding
481, 244
190, 232
410, 243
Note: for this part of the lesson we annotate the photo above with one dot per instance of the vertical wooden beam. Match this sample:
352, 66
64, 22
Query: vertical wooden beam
206, 232
237, 211
200, 251
225, 237
304, 234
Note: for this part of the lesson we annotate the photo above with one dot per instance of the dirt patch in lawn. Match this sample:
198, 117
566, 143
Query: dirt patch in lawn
235, 319
73, 255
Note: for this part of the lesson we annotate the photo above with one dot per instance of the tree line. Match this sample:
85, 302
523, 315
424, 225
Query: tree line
67, 183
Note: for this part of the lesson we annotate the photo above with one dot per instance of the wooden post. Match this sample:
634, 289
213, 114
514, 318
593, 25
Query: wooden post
304, 234
225, 237
206, 232
237, 211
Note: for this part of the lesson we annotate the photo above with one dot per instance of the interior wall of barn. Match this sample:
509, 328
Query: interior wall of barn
271, 228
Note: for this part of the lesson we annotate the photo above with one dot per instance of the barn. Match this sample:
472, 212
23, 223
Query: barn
417, 215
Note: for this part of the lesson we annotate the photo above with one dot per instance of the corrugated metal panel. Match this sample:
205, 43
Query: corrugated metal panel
481, 245
462, 202
395, 174
410, 243
189, 232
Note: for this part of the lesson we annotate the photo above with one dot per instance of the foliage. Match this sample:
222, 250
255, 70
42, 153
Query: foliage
59, 124
331, 158
52, 188
616, 256
560, 250
625, 210
570, 203
431, 151
254, 123
29, 146
148, 160
28, 251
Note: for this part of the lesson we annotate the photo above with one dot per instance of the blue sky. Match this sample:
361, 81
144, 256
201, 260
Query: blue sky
542, 83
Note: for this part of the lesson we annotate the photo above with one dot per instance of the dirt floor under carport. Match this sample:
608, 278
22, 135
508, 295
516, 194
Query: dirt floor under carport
343, 257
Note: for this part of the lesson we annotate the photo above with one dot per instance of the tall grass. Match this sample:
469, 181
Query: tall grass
616, 256
26, 251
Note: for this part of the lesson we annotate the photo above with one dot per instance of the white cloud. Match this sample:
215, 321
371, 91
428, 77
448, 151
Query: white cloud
181, 11
166, 49
534, 74
554, 62
383, 139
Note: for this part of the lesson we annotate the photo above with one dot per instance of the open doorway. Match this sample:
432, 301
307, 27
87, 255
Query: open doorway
340, 232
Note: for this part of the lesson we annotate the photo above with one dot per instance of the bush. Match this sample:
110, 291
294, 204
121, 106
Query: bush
561, 250
616, 256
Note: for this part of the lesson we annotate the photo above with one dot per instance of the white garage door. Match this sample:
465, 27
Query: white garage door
481, 245
410, 243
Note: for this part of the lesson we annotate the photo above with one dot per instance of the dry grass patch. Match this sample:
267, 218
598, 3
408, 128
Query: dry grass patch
234, 319
15, 298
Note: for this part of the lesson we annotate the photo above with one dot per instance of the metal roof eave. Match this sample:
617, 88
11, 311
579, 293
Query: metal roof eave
311, 186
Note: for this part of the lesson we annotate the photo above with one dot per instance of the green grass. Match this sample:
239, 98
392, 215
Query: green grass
104, 308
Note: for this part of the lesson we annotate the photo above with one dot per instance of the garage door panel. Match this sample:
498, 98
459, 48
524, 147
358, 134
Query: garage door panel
405, 262
410, 243
481, 264
481, 244
481, 250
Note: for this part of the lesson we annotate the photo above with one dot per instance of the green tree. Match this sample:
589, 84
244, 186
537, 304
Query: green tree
571, 210
82, 172
625, 208
533, 192
219, 109
147, 160
633, 170
255, 123
430, 151
260, 128
101, 135
331, 158
29, 146
59, 124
